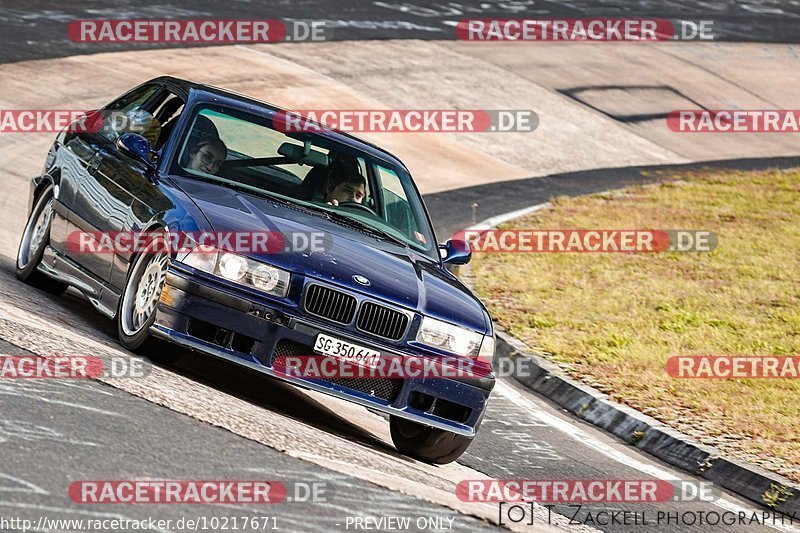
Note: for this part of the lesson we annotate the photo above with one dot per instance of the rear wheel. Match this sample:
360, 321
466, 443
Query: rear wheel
35, 239
425, 443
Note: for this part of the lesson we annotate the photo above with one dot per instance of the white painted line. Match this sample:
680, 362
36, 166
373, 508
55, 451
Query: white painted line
21, 486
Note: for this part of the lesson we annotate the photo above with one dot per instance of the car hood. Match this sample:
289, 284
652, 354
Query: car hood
396, 274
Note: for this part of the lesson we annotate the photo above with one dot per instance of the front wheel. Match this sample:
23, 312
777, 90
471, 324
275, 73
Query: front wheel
137, 306
425, 443
34, 240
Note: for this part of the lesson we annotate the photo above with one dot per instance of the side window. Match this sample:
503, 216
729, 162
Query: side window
134, 98
129, 114
167, 114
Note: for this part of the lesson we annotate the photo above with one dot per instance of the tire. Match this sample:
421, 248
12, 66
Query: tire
35, 238
136, 311
427, 444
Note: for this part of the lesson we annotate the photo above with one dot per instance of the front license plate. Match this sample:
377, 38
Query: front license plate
348, 351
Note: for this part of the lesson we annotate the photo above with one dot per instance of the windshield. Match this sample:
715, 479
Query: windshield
240, 149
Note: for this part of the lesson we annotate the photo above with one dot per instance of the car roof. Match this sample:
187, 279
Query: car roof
206, 93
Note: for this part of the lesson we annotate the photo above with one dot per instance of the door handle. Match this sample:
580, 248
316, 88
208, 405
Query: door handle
94, 163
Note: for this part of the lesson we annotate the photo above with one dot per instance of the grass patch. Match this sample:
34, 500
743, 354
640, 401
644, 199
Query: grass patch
614, 319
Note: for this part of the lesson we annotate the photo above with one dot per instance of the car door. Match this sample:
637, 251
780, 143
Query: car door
103, 193
73, 155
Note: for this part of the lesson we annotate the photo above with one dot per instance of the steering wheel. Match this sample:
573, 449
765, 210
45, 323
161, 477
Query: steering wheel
358, 206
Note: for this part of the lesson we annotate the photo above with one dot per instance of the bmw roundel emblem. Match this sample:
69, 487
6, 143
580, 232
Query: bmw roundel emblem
361, 280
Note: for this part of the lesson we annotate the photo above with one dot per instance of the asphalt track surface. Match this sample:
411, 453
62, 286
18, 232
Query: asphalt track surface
52, 433
38, 29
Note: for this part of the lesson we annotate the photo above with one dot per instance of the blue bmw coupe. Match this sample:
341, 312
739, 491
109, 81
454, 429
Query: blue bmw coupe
172, 157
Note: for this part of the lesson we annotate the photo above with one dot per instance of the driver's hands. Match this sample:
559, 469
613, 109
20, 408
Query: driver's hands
334, 202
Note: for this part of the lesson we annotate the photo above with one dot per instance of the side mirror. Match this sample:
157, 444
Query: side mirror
455, 252
136, 147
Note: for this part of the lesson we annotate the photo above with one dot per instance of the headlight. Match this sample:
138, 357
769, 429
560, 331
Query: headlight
233, 267
266, 277
450, 338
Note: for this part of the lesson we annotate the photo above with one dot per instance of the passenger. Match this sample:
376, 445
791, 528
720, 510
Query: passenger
208, 156
345, 183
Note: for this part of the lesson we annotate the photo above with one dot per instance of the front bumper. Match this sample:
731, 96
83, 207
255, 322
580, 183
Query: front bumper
220, 321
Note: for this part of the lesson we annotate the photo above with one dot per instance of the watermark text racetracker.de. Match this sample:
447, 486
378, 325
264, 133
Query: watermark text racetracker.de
176, 242
587, 241
72, 367
407, 120
584, 490
734, 121
71, 120
205, 31
733, 367
583, 29
196, 492
371, 364
143, 492
47, 121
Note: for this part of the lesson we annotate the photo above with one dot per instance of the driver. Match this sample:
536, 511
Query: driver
207, 156
345, 183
